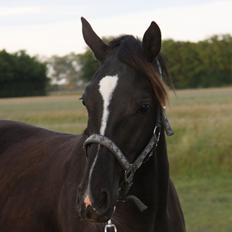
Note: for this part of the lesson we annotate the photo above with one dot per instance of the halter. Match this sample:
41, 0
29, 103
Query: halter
129, 168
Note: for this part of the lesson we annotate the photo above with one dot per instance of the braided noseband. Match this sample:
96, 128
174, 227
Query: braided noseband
129, 168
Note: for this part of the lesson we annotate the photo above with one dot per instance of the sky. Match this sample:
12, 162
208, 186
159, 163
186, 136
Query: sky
52, 27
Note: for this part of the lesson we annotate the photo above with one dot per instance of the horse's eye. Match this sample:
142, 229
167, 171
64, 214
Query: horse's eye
82, 101
144, 108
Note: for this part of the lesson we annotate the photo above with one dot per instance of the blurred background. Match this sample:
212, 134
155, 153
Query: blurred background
45, 65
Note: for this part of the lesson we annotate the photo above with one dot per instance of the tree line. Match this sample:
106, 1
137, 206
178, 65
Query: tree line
21, 75
206, 63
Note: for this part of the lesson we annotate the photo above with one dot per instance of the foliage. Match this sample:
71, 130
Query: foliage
88, 65
207, 63
21, 75
64, 69
71, 70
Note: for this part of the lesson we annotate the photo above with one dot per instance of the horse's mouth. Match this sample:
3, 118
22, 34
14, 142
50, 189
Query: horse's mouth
91, 215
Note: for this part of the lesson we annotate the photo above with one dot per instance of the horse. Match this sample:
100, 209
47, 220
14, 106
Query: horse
112, 177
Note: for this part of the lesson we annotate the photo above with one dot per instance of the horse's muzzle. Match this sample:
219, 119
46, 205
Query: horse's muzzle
94, 213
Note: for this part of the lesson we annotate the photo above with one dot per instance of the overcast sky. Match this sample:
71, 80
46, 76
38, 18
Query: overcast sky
53, 27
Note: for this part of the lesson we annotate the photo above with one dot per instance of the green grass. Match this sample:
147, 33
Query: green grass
200, 152
207, 203
202, 121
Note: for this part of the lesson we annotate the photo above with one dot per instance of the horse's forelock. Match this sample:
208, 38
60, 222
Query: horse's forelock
130, 52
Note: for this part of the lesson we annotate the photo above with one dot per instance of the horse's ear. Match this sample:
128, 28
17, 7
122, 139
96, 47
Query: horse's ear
98, 47
152, 41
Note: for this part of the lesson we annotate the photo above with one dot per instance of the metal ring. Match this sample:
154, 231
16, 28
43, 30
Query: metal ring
110, 225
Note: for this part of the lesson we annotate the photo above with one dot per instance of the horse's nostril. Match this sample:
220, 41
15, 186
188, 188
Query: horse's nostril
104, 199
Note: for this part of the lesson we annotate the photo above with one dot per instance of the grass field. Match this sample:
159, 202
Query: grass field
200, 153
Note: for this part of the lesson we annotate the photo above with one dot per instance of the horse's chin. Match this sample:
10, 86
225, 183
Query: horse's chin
100, 219
93, 216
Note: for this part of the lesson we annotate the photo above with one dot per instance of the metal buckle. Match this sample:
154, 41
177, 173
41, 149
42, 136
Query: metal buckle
110, 225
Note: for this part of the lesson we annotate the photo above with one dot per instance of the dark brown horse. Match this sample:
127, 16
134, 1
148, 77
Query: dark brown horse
117, 169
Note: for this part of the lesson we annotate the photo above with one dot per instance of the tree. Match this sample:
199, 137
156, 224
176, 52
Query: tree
21, 75
206, 63
64, 69
88, 65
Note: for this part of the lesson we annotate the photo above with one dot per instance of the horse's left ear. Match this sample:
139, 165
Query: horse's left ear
152, 41
95, 43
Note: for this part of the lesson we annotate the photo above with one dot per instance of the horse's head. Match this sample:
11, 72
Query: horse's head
122, 101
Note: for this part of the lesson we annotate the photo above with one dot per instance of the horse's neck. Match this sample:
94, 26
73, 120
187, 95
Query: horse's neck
151, 187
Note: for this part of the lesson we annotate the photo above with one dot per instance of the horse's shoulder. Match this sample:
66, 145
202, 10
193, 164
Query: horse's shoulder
33, 165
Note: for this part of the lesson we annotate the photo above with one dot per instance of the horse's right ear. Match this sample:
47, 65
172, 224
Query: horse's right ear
96, 44
152, 41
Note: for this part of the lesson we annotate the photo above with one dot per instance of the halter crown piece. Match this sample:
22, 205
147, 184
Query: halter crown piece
131, 168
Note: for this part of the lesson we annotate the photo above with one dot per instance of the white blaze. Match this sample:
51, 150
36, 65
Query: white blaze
107, 86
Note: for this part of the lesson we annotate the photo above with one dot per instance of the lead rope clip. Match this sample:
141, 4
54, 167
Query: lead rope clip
110, 225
